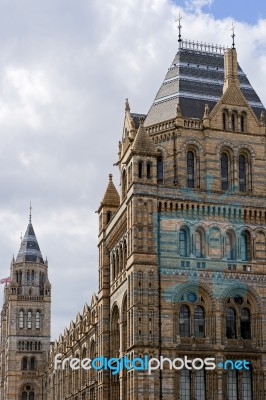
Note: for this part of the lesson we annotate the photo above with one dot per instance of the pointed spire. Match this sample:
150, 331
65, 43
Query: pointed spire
230, 69
111, 197
30, 213
127, 107
178, 110
143, 143
179, 30
29, 248
262, 118
206, 111
233, 35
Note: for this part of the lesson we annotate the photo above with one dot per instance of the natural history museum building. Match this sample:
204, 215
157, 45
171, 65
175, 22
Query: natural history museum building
182, 254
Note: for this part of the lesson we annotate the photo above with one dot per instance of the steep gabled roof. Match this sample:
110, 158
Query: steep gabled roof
196, 77
142, 143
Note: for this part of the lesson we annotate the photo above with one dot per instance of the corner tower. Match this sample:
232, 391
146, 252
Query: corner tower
25, 323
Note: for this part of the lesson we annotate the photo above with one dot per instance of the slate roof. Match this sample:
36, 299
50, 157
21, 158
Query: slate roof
195, 78
29, 249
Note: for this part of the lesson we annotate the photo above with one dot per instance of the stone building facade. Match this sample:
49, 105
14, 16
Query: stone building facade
182, 248
25, 323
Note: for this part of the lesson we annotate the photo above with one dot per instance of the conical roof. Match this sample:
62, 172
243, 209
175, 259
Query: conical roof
111, 197
29, 249
196, 78
143, 143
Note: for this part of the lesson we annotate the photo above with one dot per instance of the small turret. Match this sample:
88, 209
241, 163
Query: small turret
109, 204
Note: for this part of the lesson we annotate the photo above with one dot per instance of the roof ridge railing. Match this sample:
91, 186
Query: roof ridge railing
203, 47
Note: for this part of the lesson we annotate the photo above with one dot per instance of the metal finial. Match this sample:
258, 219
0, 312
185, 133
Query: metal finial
30, 212
233, 35
179, 29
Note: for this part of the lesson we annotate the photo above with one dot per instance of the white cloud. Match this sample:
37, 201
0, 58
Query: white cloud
23, 93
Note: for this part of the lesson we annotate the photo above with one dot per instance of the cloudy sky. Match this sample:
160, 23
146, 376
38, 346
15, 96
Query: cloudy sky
66, 67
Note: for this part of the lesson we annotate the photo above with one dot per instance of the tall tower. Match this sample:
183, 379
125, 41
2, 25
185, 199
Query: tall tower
25, 323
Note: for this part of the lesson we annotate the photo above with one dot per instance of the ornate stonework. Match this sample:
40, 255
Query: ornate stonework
182, 253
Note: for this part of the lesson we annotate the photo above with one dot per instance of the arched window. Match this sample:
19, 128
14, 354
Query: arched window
27, 393
200, 386
230, 246
83, 372
232, 385
124, 184
38, 320
242, 170
31, 396
124, 326
148, 170
32, 364
21, 319
230, 323
234, 121
243, 122
160, 169
184, 321
191, 169
109, 214
245, 246
184, 242
224, 171
247, 384
245, 326
115, 333
185, 384
199, 321
113, 266
199, 245
125, 255
260, 246
24, 363
140, 169
225, 119
117, 262
29, 323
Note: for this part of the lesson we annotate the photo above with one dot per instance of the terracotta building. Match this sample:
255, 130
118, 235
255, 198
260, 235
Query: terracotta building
182, 249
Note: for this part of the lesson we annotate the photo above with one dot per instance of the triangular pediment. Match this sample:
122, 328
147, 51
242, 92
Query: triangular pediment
233, 97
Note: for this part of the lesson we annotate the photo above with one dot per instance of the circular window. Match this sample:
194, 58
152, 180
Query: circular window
192, 297
238, 300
